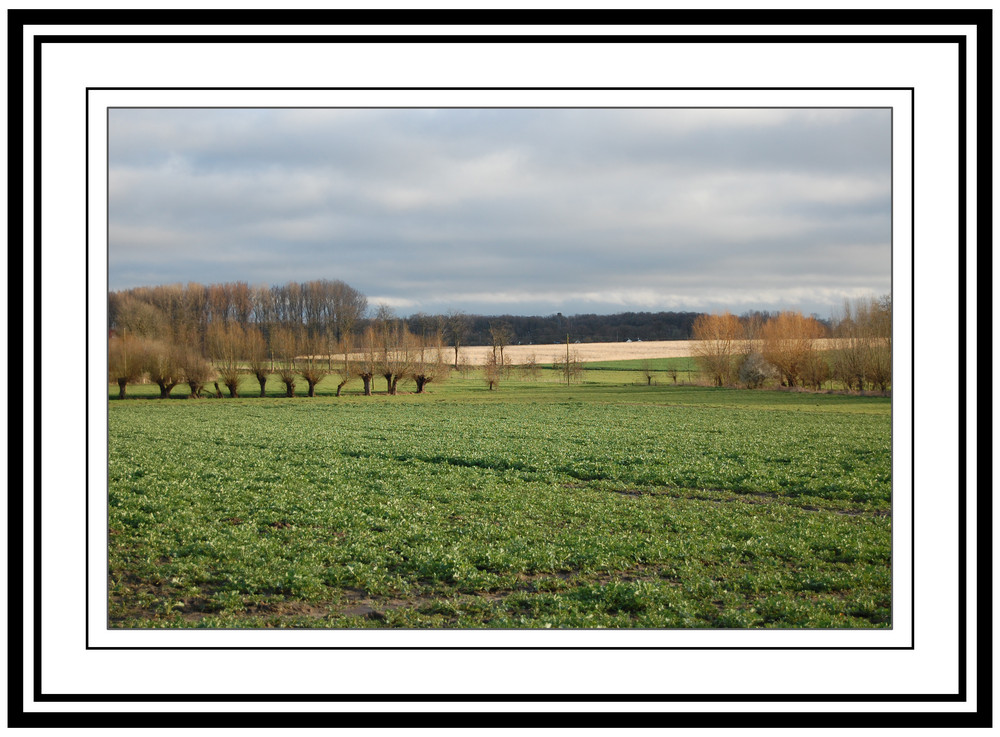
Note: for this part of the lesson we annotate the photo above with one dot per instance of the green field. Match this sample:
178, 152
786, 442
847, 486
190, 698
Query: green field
685, 364
600, 504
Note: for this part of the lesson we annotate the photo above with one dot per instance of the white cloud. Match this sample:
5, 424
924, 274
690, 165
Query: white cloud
397, 303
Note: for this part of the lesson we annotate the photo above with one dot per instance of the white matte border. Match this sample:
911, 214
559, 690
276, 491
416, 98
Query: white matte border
930, 668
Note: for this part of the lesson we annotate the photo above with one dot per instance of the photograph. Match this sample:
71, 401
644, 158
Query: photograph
495, 368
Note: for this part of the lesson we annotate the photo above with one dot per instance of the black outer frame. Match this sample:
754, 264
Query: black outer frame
17, 20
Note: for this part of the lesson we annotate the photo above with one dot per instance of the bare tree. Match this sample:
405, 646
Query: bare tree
717, 343
815, 370
398, 356
226, 343
647, 371
193, 325
500, 336
126, 361
530, 369
130, 315
334, 307
788, 340
312, 365
264, 313
240, 303
344, 370
163, 365
492, 371
218, 299
257, 356
880, 355
284, 344
751, 343
863, 356
366, 364
396, 348
195, 371
429, 363
456, 328
571, 367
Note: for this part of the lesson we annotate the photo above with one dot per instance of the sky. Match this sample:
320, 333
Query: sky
510, 211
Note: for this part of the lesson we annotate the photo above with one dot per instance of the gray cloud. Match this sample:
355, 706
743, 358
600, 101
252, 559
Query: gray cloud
519, 211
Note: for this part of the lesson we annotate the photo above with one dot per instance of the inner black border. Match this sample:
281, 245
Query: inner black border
980, 19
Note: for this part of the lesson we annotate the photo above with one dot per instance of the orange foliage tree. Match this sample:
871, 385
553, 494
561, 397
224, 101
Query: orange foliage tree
789, 342
719, 341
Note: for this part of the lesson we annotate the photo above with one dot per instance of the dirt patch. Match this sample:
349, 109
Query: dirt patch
291, 608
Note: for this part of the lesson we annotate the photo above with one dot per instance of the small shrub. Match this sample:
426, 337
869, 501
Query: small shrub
755, 371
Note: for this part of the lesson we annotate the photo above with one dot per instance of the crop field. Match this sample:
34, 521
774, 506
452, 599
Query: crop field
599, 352
600, 504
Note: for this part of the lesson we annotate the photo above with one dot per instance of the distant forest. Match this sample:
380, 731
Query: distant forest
584, 328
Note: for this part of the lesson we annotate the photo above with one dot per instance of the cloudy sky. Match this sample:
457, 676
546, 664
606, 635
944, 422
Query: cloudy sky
519, 211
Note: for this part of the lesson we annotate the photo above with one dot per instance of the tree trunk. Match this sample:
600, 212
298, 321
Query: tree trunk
388, 383
340, 386
456, 354
262, 380
312, 388
289, 388
165, 388
367, 381
233, 390
122, 383
421, 382
392, 386
195, 390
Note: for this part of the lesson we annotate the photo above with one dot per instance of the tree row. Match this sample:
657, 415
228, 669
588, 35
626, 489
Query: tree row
752, 351
385, 349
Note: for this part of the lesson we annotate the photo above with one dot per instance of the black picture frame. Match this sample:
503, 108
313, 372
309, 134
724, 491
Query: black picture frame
18, 21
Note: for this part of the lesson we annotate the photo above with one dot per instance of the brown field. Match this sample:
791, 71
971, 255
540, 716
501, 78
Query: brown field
476, 355
550, 352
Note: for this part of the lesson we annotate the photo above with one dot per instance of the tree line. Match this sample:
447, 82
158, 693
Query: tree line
320, 309
384, 348
300, 332
587, 328
783, 347
199, 335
